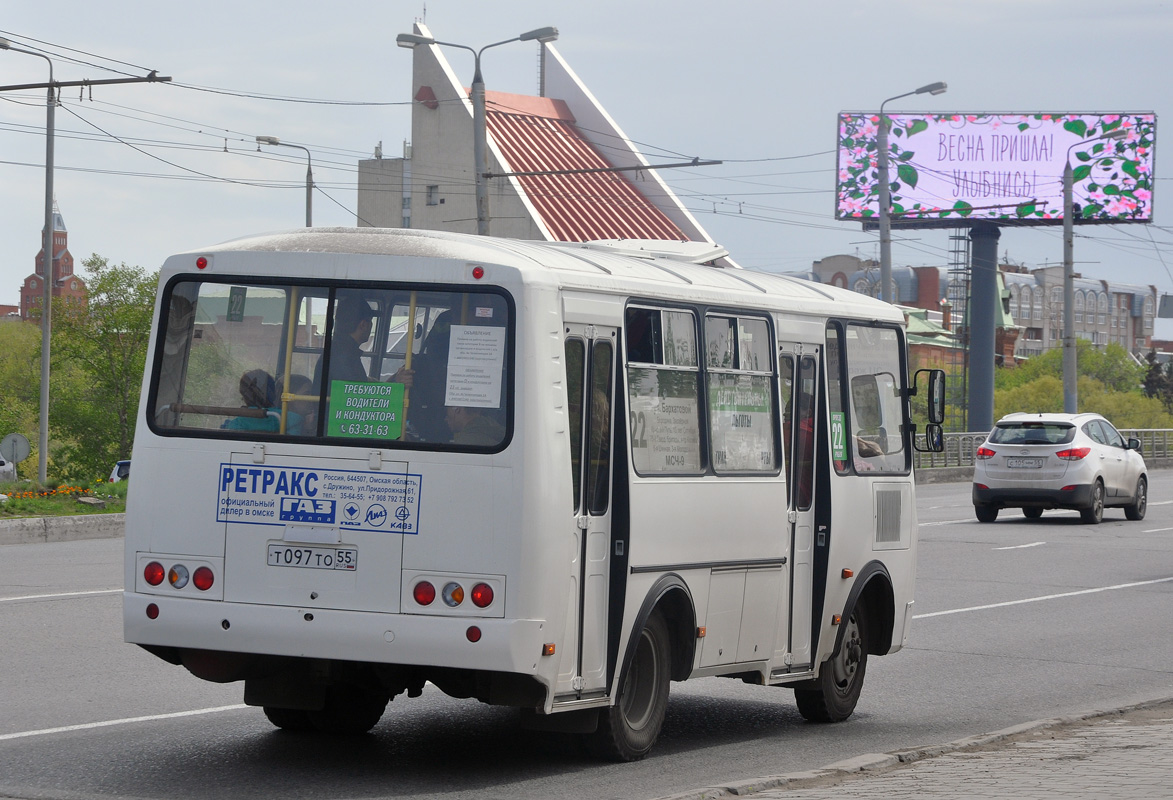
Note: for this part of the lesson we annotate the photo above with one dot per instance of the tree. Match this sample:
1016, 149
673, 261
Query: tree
99, 351
20, 357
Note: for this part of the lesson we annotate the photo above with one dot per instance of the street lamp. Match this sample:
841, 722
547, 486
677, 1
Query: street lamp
885, 191
309, 175
1070, 388
480, 150
46, 303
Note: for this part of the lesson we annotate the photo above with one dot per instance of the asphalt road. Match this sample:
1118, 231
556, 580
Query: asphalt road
1016, 620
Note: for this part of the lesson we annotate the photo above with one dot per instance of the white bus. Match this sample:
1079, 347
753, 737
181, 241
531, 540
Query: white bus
545, 475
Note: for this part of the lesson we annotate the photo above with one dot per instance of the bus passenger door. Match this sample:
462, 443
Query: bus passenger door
798, 372
590, 373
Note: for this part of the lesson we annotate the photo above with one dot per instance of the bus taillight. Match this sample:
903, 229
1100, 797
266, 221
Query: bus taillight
154, 573
203, 579
424, 593
482, 595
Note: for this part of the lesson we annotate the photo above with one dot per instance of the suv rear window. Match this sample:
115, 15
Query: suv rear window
1032, 433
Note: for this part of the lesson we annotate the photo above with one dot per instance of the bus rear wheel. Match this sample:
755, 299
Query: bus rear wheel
832, 696
289, 719
348, 710
628, 729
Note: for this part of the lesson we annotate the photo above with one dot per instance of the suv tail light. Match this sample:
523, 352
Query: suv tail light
984, 452
1073, 454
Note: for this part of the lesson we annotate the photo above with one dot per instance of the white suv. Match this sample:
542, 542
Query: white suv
1041, 461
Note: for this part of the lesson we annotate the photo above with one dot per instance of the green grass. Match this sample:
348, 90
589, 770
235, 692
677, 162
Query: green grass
30, 499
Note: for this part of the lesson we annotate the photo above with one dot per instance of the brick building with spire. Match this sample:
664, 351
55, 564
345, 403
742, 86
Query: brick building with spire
65, 283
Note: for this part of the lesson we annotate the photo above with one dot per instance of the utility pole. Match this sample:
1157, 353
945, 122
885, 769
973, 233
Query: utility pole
53, 88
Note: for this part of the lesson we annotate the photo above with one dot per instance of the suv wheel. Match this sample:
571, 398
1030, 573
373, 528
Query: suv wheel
985, 513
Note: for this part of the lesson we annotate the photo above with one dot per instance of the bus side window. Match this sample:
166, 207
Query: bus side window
575, 366
599, 428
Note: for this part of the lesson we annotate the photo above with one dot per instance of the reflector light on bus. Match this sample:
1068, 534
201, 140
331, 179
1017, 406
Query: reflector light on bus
453, 594
203, 579
152, 611
473, 633
482, 595
154, 573
424, 593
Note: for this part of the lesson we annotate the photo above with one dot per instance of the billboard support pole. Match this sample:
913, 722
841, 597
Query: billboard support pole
982, 316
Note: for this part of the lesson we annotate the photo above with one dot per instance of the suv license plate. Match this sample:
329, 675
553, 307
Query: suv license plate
344, 558
1024, 463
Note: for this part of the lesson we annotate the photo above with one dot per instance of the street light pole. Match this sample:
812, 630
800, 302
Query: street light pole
885, 190
309, 175
46, 302
480, 144
1070, 365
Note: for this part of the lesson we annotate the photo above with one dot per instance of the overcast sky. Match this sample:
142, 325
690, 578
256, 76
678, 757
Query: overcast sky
144, 170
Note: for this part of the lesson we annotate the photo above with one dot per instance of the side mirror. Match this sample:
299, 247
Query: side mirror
1134, 444
936, 392
934, 439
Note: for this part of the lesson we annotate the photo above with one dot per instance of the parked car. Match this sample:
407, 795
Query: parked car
1042, 461
7, 471
120, 472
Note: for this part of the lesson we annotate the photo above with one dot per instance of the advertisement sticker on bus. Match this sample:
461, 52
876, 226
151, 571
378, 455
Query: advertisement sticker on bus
365, 410
350, 499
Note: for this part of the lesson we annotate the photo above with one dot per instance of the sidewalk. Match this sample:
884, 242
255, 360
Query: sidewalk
1118, 754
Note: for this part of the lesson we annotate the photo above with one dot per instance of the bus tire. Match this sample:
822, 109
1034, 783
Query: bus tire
294, 720
348, 710
628, 729
832, 696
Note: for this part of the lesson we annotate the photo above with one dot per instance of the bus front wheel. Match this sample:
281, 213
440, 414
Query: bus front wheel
628, 729
832, 696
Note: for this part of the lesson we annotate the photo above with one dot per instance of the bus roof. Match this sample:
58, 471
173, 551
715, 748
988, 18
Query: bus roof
666, 269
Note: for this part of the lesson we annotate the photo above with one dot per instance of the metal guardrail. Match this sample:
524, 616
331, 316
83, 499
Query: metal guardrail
1155, 443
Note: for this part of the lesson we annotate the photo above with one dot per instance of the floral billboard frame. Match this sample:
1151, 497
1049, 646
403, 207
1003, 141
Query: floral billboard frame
948, 169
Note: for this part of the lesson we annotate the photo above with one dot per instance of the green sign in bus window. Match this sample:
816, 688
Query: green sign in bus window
365, 410
838, 436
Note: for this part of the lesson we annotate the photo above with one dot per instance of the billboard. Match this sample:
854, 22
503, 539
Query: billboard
948, 169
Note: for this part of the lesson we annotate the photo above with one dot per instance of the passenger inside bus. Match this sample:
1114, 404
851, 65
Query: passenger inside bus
258, 391
470, 425
353, 322
426, 412
300, 415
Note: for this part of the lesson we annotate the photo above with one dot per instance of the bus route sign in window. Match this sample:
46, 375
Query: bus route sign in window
371, 362
740, 381
663, 379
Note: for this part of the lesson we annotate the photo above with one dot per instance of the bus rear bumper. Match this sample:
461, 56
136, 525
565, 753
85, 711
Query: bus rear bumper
504, 645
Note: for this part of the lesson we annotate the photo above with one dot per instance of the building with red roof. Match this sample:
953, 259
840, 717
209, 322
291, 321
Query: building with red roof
562, 169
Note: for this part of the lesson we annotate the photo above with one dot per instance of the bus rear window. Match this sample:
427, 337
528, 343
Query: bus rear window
345, 363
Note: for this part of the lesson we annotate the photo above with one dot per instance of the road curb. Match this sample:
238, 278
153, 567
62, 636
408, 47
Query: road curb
38, 530
877, 762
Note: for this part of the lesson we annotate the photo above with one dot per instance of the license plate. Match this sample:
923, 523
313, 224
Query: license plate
283, 555
1024, 463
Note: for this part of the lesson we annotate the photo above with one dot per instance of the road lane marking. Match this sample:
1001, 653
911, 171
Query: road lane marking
1020, 546
945, 522
59, 595
1043, 597
129, 720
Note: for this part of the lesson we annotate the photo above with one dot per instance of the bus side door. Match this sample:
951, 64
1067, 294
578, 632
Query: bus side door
798, 373
590, 378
